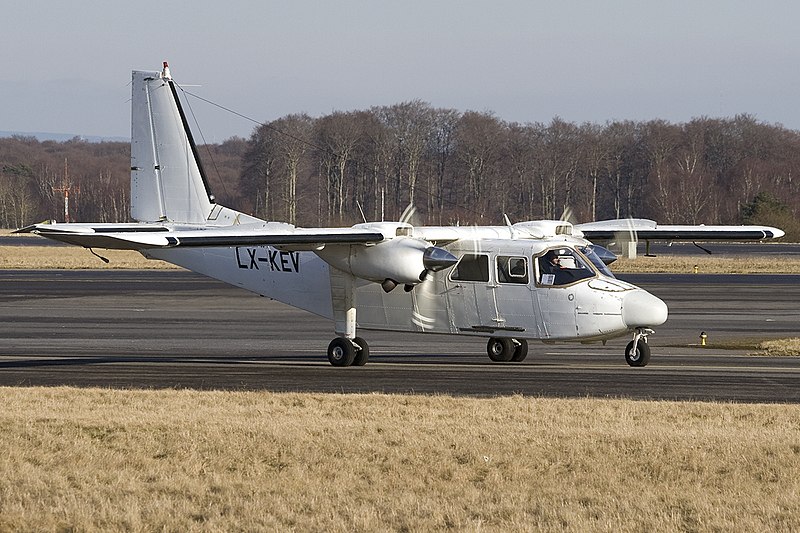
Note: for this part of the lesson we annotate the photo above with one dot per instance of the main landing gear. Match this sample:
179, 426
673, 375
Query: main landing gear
345, 352
503, 350
637, 352
347, 349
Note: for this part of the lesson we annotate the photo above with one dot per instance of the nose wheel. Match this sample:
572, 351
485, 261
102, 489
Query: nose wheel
637, 352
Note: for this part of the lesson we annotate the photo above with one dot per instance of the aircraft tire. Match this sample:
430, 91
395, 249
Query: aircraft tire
500, 350
362, 354
638, 357
341, 352
520, 352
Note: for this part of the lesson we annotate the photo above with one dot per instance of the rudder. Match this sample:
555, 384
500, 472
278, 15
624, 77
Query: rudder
167, 180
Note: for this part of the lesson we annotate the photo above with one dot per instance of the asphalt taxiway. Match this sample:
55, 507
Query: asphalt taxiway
175, 329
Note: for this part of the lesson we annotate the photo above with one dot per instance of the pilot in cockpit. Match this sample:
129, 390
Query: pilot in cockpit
551, 263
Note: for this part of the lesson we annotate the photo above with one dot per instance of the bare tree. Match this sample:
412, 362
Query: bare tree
291, 144
622, 140
258, 169
524, 149
692, 174
661, 140
17, 199
478, 144
337, 136
559, 165
595, 153
441, 148
410, 127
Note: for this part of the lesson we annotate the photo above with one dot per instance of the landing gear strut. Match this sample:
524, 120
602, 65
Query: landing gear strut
502, 350
347, 349
637, 352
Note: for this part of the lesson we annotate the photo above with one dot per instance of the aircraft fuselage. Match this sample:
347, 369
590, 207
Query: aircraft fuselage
499, 288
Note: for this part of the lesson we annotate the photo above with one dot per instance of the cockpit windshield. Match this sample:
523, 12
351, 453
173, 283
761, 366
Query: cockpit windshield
562, 266
590, 253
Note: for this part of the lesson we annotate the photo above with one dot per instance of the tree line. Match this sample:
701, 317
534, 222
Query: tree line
34, 176
454, 167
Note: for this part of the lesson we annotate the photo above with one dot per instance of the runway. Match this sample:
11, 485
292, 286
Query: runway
175, 329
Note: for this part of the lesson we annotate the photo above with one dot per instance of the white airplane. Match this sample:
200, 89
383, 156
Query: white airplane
537, 280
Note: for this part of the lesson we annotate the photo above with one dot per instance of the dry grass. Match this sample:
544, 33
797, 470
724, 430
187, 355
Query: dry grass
779, 347
213, 461
756, 346
72, 257
707, 264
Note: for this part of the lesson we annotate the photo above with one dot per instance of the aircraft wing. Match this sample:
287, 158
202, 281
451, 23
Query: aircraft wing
649, 230
137, 236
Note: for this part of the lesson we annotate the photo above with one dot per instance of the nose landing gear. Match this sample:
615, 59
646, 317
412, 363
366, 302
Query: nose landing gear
637, 352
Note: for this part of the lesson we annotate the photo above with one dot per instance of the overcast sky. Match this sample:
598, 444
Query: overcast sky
65, 66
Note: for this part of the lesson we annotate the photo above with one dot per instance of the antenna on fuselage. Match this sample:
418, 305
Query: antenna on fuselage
363, 217
510, 226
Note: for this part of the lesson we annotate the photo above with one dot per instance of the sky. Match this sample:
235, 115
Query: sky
65, 66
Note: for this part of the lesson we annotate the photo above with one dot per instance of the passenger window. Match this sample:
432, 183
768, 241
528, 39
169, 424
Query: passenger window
472, 267
512, 269
563, 266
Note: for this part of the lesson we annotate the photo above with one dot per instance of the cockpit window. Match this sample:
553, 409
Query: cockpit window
589, 252
472, 267
512, 269
562, 266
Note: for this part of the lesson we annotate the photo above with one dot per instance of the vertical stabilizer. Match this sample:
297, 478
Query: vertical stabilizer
167, 181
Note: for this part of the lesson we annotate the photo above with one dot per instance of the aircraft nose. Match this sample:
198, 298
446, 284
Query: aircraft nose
642, 309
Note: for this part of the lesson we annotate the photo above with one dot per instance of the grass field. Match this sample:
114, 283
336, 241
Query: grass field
119, 460
73, 257
84, 460
708, 264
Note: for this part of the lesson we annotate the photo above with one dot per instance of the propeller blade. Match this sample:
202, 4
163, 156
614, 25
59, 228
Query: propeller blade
626, 241
408, 213
568, 215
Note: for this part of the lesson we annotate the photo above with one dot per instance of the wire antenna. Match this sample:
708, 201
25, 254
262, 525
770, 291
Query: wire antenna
398, 180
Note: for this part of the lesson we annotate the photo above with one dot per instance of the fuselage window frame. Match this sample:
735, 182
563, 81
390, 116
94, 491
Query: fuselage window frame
512, 269
472, 268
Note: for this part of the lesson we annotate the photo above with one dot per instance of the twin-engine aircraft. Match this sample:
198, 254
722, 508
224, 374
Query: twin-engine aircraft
537, 280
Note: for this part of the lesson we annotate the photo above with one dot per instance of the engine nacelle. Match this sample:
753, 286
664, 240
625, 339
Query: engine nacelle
401, 260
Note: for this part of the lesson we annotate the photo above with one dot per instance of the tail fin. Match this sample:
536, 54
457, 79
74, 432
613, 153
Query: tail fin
167, 179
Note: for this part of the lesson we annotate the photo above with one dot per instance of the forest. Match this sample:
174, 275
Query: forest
454, 167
